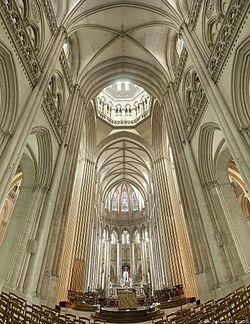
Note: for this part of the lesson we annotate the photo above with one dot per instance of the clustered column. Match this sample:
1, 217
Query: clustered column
132, 262
119, 260
235, 141
15, 146
164, 206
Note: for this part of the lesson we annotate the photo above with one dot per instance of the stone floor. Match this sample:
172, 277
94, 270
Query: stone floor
88, 315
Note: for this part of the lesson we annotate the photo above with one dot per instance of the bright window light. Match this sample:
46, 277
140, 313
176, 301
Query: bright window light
126, 86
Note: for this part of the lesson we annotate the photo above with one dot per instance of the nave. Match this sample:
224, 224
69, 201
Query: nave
124, 155
233, 308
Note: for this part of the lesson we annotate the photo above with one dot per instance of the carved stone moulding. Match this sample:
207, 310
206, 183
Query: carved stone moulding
180, 68
17, 30
50, 16
196, 112
53, 117
66, 71
232, 21
194, 13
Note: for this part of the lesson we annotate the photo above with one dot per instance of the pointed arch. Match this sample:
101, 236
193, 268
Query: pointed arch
241, 84
45, 156
205, 148
8, 90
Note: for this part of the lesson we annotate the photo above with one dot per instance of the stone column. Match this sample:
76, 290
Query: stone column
164, 273
235, 141
37, 259
118, 261
152, 263
31, 230
156, 259
132, 259
108, 257
120, 257
68, 163
26, 191
237, 230
189, 282
13, 151
91, 261
143, 260
166, 226
188, 191
99, 259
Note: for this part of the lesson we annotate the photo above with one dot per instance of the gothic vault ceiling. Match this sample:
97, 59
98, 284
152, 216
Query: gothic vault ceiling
124, 161
128, 41
120, 39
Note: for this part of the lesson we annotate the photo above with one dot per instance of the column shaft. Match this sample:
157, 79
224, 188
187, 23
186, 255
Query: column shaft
235, 141
14, 148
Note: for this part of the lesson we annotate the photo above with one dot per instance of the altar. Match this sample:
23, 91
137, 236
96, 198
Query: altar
127, 299
125, 285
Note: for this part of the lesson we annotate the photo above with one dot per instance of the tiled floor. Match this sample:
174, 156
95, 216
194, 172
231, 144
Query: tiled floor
88, 315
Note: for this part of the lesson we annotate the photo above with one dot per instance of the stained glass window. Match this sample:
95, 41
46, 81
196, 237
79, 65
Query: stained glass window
134, 201
115, 201
124, 200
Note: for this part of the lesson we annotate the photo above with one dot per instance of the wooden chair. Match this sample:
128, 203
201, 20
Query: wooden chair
18, 301
157, 317
49, 321
234, 305
208, 316
184, 312
84, 319
245, 298
4, 315
32, 315
242, 315
229, 296
17, 317
240, 289
172, 318
197, 308
195, 317
209, 303
16, 307
4, 299
65, 318
71, 316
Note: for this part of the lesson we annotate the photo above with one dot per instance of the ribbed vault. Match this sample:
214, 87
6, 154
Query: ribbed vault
117, 40
122, 161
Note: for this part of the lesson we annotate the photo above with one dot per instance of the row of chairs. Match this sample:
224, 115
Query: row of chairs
78, 296
233, 308
167, 294
14, 309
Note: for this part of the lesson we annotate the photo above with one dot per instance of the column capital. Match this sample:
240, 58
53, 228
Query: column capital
63, 31
76, 87
183, 26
